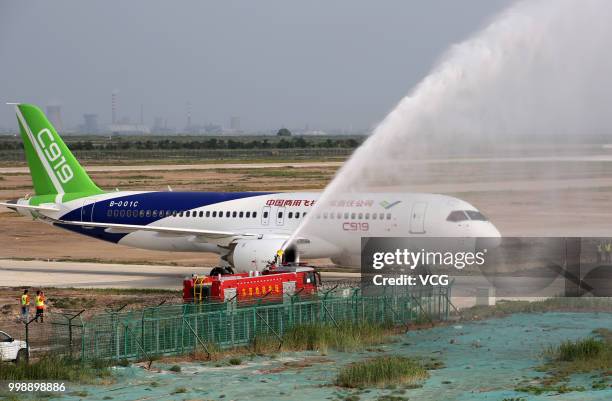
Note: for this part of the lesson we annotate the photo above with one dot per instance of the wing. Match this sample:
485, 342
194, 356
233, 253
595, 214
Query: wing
128, 228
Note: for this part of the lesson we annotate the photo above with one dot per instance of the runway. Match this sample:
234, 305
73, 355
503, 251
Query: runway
35, 273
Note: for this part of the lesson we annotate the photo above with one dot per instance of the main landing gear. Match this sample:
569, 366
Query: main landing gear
221, 270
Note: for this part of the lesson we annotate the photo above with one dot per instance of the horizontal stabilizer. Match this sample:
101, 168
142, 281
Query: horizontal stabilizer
15, 206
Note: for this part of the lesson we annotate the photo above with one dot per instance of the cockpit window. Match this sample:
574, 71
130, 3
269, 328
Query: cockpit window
457, 215
476, 215
463, 215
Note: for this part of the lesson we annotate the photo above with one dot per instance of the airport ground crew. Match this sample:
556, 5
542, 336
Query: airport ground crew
279, 257
40, 306
25, 306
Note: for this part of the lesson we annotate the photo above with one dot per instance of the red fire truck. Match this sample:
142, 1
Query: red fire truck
270, 284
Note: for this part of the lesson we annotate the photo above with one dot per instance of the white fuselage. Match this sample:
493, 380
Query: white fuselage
333, 231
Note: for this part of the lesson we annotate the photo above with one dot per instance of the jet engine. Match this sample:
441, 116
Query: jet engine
256, 254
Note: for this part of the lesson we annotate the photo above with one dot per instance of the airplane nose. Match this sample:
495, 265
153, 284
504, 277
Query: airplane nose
488, 237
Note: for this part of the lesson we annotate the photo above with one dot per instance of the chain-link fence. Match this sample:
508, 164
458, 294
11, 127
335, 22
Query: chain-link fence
54, 333
174, 329
178, 329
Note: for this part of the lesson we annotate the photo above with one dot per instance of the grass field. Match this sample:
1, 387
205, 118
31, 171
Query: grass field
382, 371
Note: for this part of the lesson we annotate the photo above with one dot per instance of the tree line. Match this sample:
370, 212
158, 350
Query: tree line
211, 143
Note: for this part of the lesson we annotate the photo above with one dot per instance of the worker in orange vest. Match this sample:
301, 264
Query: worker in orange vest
25, 306
40, 306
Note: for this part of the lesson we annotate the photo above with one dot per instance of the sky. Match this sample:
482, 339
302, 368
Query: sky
328, 65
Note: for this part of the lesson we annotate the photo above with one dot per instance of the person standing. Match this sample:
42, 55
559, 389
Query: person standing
25, 306
40, 306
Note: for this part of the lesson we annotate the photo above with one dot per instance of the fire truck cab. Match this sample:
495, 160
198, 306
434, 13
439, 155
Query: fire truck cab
271, 284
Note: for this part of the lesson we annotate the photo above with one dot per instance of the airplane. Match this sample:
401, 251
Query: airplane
246, 229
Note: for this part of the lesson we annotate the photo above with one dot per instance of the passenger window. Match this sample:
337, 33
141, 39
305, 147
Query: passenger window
325, 215
174, 213
208, 213
214, 214
381, 216
290, 215
297, 215
374, 216
161, 213
141, 214
360, 216
234, 214
115, 213
353, 215
280, 215
195, 214
255, 214
227, 214
241, 214
154, 213
367, 216
129, 213
180, 214
148, 213
201, 213
188, 214
109, 213
388, 216
122, 213
304, 214
346, 215
265, 215
248, 214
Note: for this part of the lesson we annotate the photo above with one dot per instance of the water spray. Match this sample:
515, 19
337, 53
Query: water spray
539, 68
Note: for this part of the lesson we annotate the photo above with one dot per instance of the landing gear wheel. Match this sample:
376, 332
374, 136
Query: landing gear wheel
221, 270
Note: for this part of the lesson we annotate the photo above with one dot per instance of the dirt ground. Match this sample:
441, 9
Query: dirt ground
92, 300
556, 198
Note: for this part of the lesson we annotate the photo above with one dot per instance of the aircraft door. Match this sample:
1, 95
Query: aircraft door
265, 215
87, 211
417, 218
280, 216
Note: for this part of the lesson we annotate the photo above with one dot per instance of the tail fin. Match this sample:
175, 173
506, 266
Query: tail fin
53, 168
